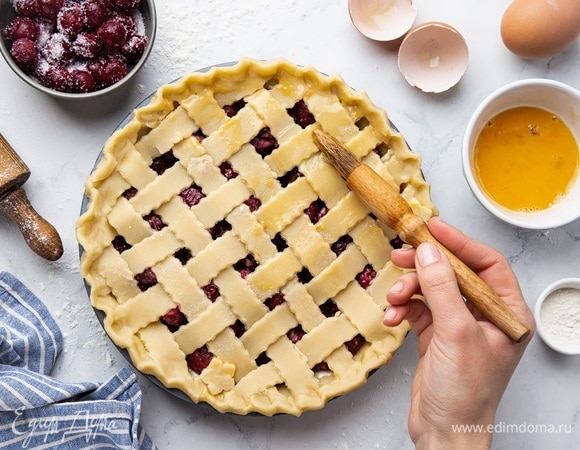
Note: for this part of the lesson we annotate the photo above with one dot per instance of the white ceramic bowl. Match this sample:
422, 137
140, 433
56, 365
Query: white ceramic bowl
553, 96
148, 12
554, 322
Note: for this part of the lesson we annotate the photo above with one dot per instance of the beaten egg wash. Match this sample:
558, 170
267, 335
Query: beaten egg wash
526, 158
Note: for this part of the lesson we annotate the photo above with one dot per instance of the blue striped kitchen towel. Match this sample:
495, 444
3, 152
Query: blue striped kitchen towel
38, 411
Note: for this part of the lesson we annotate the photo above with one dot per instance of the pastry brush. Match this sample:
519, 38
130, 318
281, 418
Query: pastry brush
391, 208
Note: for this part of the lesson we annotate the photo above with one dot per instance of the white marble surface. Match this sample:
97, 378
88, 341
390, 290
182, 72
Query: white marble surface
60, 140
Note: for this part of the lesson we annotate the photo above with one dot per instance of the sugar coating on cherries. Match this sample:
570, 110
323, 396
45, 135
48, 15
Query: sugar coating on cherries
76, 46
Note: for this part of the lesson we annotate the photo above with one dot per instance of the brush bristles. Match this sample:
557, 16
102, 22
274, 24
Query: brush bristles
343, 160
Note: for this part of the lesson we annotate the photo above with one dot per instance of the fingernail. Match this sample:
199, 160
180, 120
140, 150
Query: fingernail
397, 287
428, 254
390, 314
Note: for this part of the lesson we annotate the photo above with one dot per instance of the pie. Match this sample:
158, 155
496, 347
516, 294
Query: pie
228, 257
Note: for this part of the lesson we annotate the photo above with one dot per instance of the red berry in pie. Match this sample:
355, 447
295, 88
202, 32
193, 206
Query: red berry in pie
199, 359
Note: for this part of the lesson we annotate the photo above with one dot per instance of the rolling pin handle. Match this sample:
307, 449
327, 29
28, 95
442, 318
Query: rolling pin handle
40, 235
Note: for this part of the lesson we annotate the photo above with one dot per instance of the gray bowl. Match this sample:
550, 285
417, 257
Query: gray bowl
147, 9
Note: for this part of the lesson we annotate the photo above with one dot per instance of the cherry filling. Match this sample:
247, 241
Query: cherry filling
264, 142
238, 328
329, 308
199, 135
316, 211
192, 195
130, 193
279, 242
295, 334
246, 266
341, 244
276, 300
227, 170
120, 244
262, 359
173, 319
219, 229
355, 344
155, 221
163, 162
304, 276
199, 359
211, 291
397, 242
234, 108
366, 277
146, 279
301, 114
183, 255
289, 177
253, 203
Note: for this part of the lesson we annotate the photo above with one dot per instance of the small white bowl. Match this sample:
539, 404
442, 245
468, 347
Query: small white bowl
555, 323
433, 57
553, 96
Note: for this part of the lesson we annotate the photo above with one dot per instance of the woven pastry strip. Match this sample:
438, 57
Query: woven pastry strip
229, 258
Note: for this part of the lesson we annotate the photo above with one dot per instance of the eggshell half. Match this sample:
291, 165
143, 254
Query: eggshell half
382, 20
433, 57
536, 29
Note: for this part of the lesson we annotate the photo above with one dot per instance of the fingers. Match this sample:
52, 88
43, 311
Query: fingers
439, 286
404, 307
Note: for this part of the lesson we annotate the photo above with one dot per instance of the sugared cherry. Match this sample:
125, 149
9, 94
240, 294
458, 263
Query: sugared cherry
112, 71
25, 54
112, 35
81, 81
22, 27
86, 46
96, 12
71, 20
48, 9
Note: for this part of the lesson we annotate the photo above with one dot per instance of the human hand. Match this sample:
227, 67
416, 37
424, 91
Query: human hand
465, 362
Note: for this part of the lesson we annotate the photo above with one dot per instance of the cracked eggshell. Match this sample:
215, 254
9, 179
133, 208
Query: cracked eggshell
433, 57
382, 20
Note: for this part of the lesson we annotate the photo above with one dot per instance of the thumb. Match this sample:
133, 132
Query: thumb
440, 289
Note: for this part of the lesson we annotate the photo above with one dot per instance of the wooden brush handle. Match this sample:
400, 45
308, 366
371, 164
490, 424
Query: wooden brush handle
389, 206
40, 235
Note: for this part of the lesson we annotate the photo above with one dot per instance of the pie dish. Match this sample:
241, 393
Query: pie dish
229, 258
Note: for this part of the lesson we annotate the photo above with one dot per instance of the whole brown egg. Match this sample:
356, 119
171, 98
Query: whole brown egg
540, 28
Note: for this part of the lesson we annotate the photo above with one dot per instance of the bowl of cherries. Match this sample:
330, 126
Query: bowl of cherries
76, 49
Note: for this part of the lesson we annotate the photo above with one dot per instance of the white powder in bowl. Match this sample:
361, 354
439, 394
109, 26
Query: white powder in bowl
560, 318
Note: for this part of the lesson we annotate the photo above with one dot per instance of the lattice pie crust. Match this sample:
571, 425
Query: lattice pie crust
230, 260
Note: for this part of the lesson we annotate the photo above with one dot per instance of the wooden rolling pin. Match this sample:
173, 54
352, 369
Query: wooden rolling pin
390, 207
40, 235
